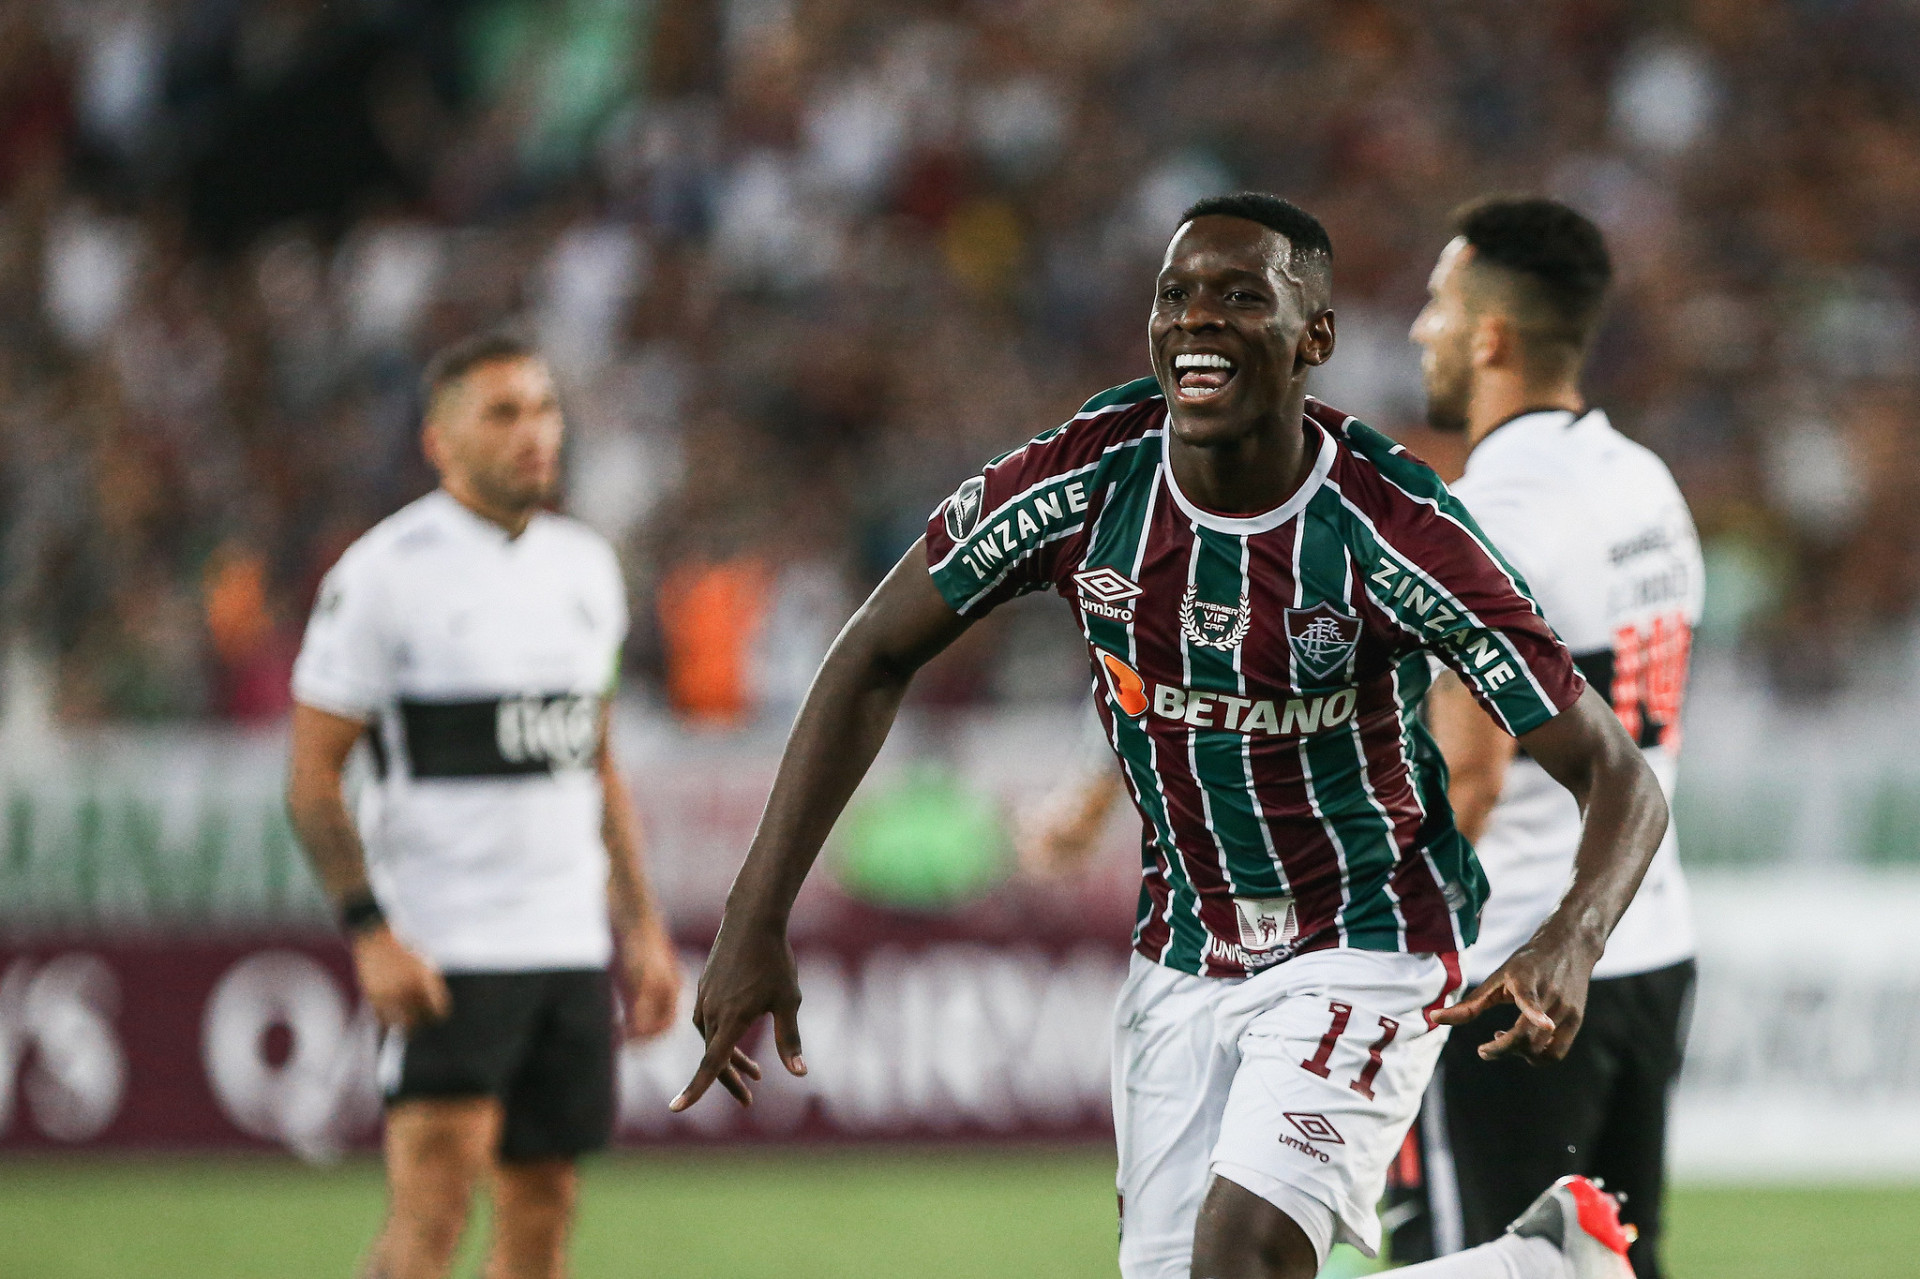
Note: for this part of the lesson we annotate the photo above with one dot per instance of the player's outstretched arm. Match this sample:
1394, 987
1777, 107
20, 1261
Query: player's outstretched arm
840, 728
1585, 749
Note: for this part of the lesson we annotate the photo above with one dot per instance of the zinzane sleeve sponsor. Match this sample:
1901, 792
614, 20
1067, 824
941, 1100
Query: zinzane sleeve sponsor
346, 662
1003, 532
1444, 582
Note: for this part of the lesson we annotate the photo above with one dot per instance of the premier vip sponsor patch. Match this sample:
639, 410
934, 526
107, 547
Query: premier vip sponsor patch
1220, 626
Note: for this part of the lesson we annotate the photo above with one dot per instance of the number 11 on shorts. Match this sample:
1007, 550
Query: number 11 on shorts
1343, 1013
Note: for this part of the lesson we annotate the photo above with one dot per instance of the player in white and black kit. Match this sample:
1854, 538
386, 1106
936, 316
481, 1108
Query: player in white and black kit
1597, 526
472, 641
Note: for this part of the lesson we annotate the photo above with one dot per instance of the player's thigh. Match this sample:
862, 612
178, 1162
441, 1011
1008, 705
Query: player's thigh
437, 1149
1170, 1083
559, 1102
1244, 1236
1510, 1129
1325, 1091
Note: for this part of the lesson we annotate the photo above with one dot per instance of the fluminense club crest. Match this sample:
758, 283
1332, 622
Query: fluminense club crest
1322, 638
1220, 626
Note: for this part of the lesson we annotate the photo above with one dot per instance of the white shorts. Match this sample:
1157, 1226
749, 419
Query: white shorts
1298, 1083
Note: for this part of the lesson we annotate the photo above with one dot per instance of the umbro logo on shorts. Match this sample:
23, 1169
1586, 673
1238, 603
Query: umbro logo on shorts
1314, 1126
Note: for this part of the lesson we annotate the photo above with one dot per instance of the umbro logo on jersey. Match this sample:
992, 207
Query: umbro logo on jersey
1220, 626
1322, 638
963, 508
1104, 592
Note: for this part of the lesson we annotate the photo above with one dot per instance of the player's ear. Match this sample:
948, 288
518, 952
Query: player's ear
1494, 341
433, 444
1316, 342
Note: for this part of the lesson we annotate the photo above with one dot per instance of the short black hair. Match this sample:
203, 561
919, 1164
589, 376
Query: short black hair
454, 361
1555, 258
1312, 246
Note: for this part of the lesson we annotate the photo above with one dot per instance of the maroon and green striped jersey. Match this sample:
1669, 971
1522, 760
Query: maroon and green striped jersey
1260, 677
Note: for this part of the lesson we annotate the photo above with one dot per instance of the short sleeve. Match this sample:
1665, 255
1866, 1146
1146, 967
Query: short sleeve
347, 660
1005, 532
1445, 585
1502, 648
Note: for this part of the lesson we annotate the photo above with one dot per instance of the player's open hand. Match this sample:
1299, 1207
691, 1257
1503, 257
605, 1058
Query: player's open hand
650, 972
749, 975
1547, 981
404, 989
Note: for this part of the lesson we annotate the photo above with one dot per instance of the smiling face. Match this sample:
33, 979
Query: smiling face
1236, 324
495, 433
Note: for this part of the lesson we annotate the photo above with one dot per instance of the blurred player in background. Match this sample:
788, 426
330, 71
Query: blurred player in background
1597, 527
473, 640
1260, 580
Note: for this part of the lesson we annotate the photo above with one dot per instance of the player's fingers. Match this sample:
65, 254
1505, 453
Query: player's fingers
439, 998
745, 1064
1534, 1022
696, 1088
711, 1064
1475, 1003
786, 1039
1503, 1043
731, 1081
1566, 1026
649, 1016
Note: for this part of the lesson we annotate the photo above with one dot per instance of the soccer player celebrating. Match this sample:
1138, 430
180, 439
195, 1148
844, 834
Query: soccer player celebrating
1260, 580
1598, 528
472, 639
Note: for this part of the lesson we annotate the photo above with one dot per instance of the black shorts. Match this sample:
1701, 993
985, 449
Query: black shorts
541, 1042
1505, 1130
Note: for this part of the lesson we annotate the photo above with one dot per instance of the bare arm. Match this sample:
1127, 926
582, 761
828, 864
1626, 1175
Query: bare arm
1478, 752
402, 987
1585, 749
841, 726
650, 966
317, 803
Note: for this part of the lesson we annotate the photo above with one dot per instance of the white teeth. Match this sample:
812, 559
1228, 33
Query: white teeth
1201, 362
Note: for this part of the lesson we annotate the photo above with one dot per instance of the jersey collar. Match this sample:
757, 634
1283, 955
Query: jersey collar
1266, 521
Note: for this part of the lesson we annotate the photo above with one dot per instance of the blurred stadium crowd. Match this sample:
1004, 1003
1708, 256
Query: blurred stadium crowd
804, 264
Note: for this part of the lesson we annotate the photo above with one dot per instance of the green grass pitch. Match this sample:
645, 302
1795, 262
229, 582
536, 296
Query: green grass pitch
929, 1214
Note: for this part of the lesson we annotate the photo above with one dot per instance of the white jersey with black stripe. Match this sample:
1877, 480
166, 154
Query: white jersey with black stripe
480, 662
1597, 526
